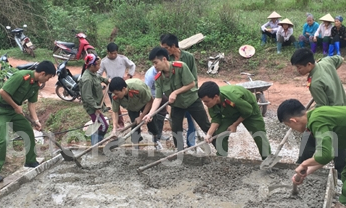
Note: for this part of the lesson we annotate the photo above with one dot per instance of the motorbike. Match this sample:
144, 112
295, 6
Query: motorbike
28, 66
67, 87
68, 50
23, 41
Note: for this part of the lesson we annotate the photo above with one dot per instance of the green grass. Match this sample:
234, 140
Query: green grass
216, 16
58, 115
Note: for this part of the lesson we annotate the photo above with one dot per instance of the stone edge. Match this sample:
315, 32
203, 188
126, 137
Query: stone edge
28, 176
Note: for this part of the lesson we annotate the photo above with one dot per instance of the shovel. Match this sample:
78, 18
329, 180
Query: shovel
143, 168
76, 159
67, 154
295, 187
117, 142
121, 140
271, 160
96, 125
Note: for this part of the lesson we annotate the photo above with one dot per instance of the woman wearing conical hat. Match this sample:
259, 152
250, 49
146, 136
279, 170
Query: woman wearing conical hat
338, 38
284, 35
324, 32
309, 30
270, 28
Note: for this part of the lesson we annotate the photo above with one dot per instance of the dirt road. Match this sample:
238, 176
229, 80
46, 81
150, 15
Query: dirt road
294, 87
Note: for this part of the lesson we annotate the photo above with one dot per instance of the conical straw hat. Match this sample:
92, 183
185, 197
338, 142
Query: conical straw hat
327, 18
247, 51
285, 21
274, 15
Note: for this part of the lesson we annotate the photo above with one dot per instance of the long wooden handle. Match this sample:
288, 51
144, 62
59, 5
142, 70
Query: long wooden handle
46, 134
122, 138
102, 101
141, 169
282, 143
103, 141
295, 186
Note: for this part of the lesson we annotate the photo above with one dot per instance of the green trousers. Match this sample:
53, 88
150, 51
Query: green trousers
255, 125
342, 197
9, 119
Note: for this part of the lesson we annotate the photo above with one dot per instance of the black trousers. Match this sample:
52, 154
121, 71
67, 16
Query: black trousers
197, 112
308, 147
161, 116
269, 34
136, 137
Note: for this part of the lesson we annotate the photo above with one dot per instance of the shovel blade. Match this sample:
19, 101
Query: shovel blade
269, 162
67, 154
92, 129
206, 148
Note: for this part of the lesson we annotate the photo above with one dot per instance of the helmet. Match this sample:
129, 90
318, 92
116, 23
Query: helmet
91, 59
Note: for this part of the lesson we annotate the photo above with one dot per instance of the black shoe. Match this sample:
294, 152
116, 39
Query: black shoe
1, 179
32, 165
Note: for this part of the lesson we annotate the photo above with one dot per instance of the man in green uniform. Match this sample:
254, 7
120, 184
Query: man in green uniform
171, 44
92, 96
327, 124
326, 89
175, 80
134, 95
228, 107
23, 85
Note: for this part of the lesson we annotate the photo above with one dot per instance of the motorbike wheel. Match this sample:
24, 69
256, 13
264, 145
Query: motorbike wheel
30, 51
261, 99
63, 94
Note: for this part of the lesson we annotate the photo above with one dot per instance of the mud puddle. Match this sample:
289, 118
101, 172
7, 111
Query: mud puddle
112, 181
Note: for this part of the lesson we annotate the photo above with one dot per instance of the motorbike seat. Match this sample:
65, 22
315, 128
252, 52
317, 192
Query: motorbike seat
26, 66
76, 77
17, 30
67, 44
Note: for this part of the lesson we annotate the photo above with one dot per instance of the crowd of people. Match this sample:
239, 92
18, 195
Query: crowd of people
173, 79
330, 38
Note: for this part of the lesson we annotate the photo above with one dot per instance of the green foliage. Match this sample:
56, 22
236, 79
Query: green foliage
6, 72
225, 24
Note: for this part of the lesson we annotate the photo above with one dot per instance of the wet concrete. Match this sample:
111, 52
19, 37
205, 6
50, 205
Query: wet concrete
112, 181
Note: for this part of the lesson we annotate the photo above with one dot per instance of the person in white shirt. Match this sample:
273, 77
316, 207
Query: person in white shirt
324, 32
284, 35
270, 28
115, 65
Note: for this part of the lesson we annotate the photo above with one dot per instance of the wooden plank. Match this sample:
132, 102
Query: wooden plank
14, 181
188, 42
330, 190
19, 173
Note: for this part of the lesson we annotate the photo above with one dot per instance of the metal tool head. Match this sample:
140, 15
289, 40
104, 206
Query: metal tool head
206, 148
269, 162
67, 154
92, 128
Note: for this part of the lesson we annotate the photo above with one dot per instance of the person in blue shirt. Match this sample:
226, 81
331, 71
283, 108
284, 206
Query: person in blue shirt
309, 29
149, 80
